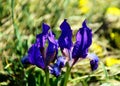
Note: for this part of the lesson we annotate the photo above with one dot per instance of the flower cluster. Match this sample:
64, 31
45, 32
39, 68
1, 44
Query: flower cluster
42, 57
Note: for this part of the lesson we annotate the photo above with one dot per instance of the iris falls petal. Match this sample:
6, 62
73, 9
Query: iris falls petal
83, 41
35, 56
93, 61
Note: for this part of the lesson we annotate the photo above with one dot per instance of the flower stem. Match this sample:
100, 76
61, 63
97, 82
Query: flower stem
47, 76
67, 75
84, 83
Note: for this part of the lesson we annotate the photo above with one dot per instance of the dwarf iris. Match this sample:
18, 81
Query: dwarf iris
37, 54
71, 52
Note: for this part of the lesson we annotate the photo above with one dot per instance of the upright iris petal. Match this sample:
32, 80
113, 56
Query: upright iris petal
94, 61
34, 57
52, 49
41, 38
83, 41
65, 39
45, 28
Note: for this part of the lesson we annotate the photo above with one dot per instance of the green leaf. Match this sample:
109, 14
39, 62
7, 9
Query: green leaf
31, 80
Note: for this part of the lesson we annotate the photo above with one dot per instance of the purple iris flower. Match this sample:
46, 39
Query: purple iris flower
36, 54
81, 46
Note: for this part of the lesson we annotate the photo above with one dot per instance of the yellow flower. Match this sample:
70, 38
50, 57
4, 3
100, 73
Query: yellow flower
110, 61
115, 38
113, 11
83, 2
84, 6
97, 48
112, 35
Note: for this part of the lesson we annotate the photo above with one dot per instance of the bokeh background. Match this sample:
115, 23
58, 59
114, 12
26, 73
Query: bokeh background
20, 21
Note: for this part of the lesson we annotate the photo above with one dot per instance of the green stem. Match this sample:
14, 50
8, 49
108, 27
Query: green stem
12, 10
67, 75
47, 76
105, 71
84, 82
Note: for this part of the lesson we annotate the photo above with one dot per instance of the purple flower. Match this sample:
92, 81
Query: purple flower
36, 55
81, 46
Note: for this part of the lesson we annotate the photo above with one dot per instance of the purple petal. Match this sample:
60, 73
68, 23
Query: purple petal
65, 39
52, 49
35, 56
65, 26
41, 38
61, 61
55, 70
87, 35
25, 60
83, 41
94, 61
45, 28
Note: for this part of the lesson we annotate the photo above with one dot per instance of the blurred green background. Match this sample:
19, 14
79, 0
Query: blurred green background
20, 21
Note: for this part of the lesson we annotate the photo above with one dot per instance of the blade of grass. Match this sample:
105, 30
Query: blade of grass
105, 71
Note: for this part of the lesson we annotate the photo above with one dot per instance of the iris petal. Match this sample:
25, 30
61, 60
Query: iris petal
94, 61
87, 35
65, 39
83, 41
35, 56
52, 49
55, 70
45, 28
25, 60
41, 38
61, 61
